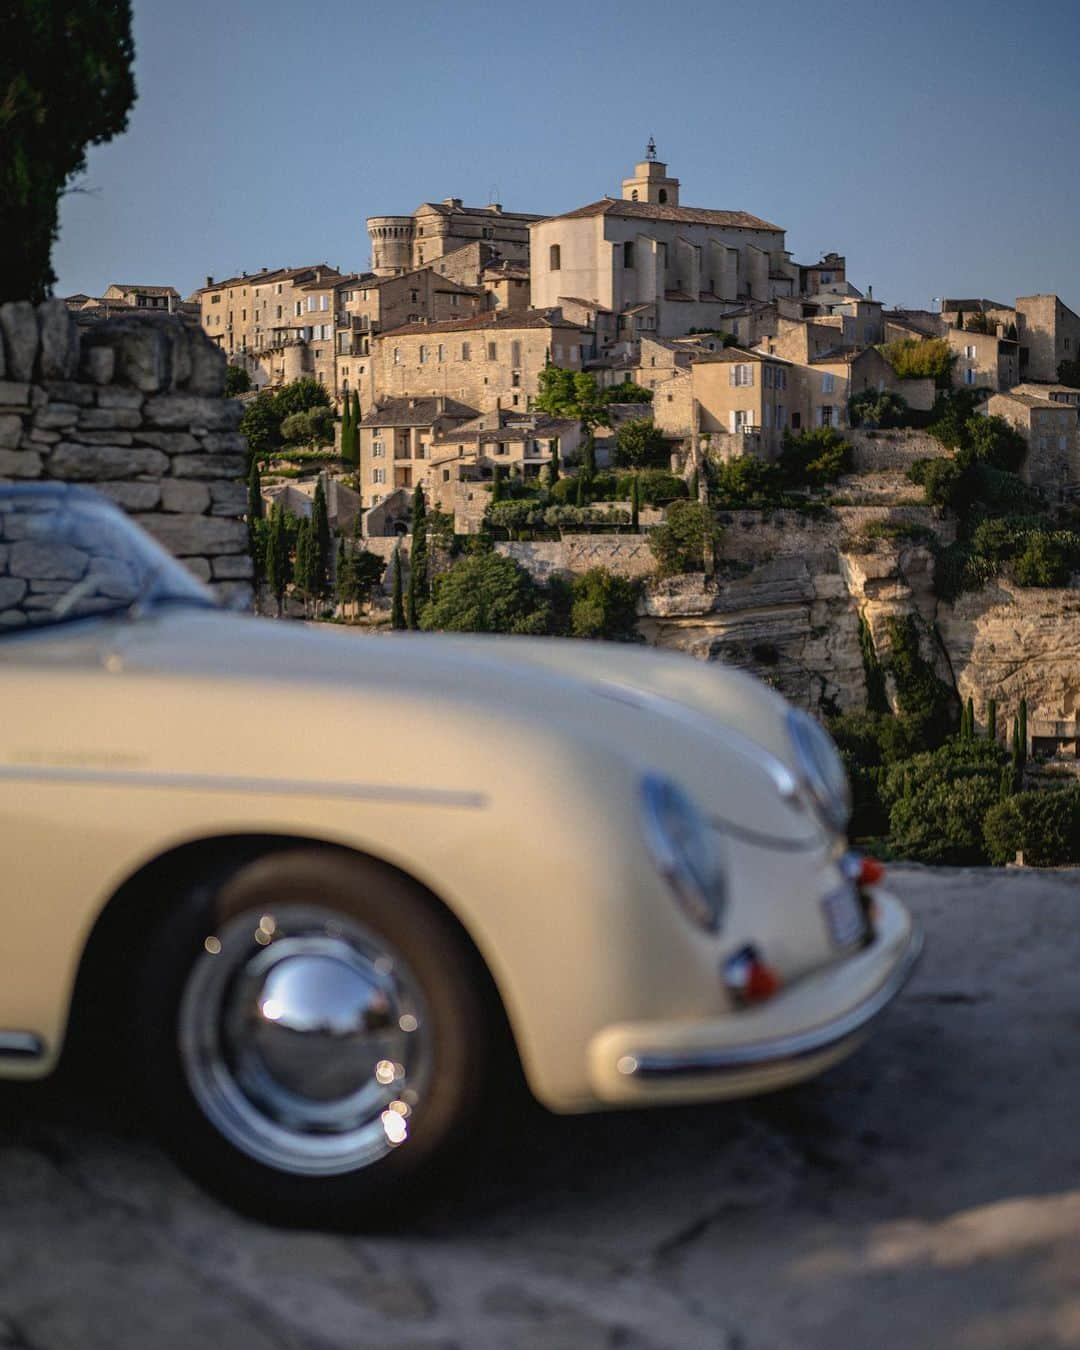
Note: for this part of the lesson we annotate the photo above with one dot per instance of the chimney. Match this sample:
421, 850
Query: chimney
318, 274
440, 403
209, 281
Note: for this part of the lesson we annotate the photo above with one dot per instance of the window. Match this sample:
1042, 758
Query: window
310, 303
969, 376
742, 419
767, 377
555, 257
1066, 344
741, 375
378, 475
515, 353
633, 195
781, 377
215, 299
1063, 442
465, 351
661, 196
491, 351
299, 307
423, 354
414, 297
279, 311
781, 416
446, 475
453, 299
397, 356
825, 414
628, 254
828, 383
969, 352
826, 278
440, 352
277, 289
487, 232
378, 449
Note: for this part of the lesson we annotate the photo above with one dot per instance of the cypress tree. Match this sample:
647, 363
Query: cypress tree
496, 484
322, 544
418, 559
991, 720
346, 431
354, 422
553, 472
581, 498
695, 486
962, 734
1023, 731
277, 556
303, 569
1008, 776
1017, 756
588, 457
635, 503
254, 516
971, 719
959, 318
397, 607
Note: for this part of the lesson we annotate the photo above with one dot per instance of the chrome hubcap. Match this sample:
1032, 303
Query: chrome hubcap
303, 1037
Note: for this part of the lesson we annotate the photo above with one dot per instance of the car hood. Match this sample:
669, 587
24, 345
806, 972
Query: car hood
662, 706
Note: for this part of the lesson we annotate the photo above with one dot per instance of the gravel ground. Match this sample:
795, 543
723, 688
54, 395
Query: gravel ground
923, 1194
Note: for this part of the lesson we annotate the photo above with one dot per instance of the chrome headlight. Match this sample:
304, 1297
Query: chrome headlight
685, 850
820, 768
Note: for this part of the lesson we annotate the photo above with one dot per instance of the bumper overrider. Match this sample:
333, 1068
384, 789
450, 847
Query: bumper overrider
811, 1025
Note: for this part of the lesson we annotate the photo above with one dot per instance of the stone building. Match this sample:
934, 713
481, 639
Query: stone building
253, 314
1050, 430
1049, 333
998, 317
659, 266
983, 360
830, 274
395, 442
488, 361
435, 229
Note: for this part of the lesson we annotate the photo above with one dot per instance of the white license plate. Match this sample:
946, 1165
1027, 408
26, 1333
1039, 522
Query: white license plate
844, 915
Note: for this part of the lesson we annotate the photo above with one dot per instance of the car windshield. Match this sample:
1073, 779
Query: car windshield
67, 553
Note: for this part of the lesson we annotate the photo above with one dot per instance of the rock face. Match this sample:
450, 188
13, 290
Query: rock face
135, 407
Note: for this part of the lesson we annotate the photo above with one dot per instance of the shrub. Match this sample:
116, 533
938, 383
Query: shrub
937, 801
992, 441
681, 544
874, 408
627, 392
747, 481
237, 381
1044, 825
921, 696
300, 396
486, 593
603, 605
656, 487
1045, 561
814, 458
639, 442
313, 427
913, 359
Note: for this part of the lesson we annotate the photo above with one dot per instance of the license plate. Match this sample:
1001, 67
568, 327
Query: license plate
845, 917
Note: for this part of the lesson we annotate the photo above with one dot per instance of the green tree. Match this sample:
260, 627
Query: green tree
254, 518
313, 428
814, 458
322, 541
686, 541
694, 489
588, 457
342, 588
277, 556
261, 426
638, 442
486, 593
603, 606
302, 395
635, 504
1045, 561
304, 566
1043, 825
346, 431
1023, 725
627, 392
496, 484
991, 720
914, 358
553, 467
397, 606
582, 489
746, 482
237, 380
969, 709
874, 408
65, 84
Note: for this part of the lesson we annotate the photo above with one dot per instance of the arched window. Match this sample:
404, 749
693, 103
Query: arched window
661, 196
633, 195
555, 257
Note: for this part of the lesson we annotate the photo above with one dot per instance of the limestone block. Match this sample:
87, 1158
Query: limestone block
68, 391
85, 463
237, 568
59, 341
199, 567
12, 618
95, 419
55, 415
132, 496
38, 437
188, 535
232, 442
18, 323
47, 562
184, 495
207, 375
195, 412
208, 466
236, 594
145, 359
14, 394
3, 557
20, 464
172, 442
181, 356
229, 499
10, 430
117, 397
98, 364
12, 590
100, 437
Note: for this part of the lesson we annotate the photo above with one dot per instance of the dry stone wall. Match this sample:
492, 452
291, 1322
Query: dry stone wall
135, 408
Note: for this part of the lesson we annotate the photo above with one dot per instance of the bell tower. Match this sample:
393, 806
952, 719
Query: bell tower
650, 182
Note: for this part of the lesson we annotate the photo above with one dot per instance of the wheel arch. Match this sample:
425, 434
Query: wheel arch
129, 915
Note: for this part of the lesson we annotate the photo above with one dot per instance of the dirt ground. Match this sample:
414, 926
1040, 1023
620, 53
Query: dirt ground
924, 1194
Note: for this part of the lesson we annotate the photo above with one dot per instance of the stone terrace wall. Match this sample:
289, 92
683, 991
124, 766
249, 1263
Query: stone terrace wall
893, 449
135, 408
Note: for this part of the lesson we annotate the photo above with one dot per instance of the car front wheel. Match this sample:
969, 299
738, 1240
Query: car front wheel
316, 1038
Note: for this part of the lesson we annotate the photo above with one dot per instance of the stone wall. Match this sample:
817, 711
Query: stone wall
627, 555
135, 408
894, 449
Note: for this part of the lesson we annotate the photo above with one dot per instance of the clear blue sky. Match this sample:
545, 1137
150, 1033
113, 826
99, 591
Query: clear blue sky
935, 143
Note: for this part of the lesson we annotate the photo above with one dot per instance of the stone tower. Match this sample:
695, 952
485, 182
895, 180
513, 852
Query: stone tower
391, 244
650, 182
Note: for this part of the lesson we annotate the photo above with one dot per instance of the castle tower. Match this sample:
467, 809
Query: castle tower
650, 182
391, 244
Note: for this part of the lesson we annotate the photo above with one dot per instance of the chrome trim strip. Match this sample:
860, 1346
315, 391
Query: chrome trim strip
274, 787
21, 1045
783, 1049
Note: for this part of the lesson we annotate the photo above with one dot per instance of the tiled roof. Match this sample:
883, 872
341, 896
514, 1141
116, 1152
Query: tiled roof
414, 412
682, 215
444, 210
1030, 401
492, 319
276, 274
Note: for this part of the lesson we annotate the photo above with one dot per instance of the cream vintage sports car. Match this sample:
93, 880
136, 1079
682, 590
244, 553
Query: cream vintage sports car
322, 879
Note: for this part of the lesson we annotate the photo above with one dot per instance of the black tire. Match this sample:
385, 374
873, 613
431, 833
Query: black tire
462, 1032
